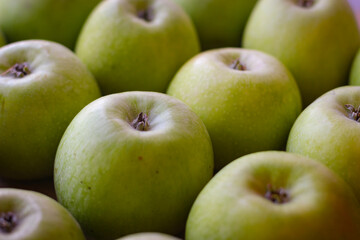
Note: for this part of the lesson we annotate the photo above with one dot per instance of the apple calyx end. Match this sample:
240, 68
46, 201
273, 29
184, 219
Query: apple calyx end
8, 221
237, 65
353, 113
305, 3
278, 196
145, 14
18, 70
141, 123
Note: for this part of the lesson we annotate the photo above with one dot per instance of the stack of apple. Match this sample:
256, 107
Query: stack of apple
132, 106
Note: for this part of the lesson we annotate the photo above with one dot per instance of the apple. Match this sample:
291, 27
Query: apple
54, 20
328, 130
136, 45
275, 195
355, 71
2, 39
148, 236
315, 39
219, 23
43, 85
133, 162
248, 100
28, 215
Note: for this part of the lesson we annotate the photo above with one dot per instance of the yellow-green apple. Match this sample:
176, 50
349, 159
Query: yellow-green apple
133, 162
54, 20
28, 215
355, 71
219, 23
328, 130
247, 99
43, 85
136, 45
148, 236
275, 195
315, 39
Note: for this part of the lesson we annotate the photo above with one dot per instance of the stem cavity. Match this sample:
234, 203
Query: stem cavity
306, 3
19, 70
236, 65
141, 122
146, 14
278, 196
353, 113
8, 221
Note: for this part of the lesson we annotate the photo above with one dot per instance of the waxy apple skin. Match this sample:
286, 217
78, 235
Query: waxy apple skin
53, 20
126, 52
244, 111
355, 71
233, 205
38, 217
117, 180
316, 43
219, 23
36, 109
324, 132
148, 236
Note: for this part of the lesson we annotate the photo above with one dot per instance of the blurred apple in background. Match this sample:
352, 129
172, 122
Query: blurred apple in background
43, 85
219, 23
247, 99
133, 162
136, 45
316, 40
271, 196
355, 71
328, 130
53, 20
28, 215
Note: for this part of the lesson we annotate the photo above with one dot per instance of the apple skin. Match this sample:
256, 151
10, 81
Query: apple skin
317, 44
36, 109
126, 53
244, 111
324, 132
148, 236
54, 20
233, 204
39, 217
355, 71
117, 180
219, 23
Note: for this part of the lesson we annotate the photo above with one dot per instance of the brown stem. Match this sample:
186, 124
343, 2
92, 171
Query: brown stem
8, 221
278, 196
18, 70
353, 113
141, 122
146, 14
237, 65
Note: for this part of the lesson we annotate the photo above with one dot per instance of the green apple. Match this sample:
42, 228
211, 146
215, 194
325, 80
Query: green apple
328, 130
355, 71
275, 195
28, 215
54, 20
43, 85
315, 39
2, 39
219, 23
148, 236
136, 45
133, 162
248, 100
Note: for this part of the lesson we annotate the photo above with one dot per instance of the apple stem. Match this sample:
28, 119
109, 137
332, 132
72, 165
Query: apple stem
237, 65
19, 70
353, 113
141, 122
8, 222
306, 3
145, 14
278, 196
